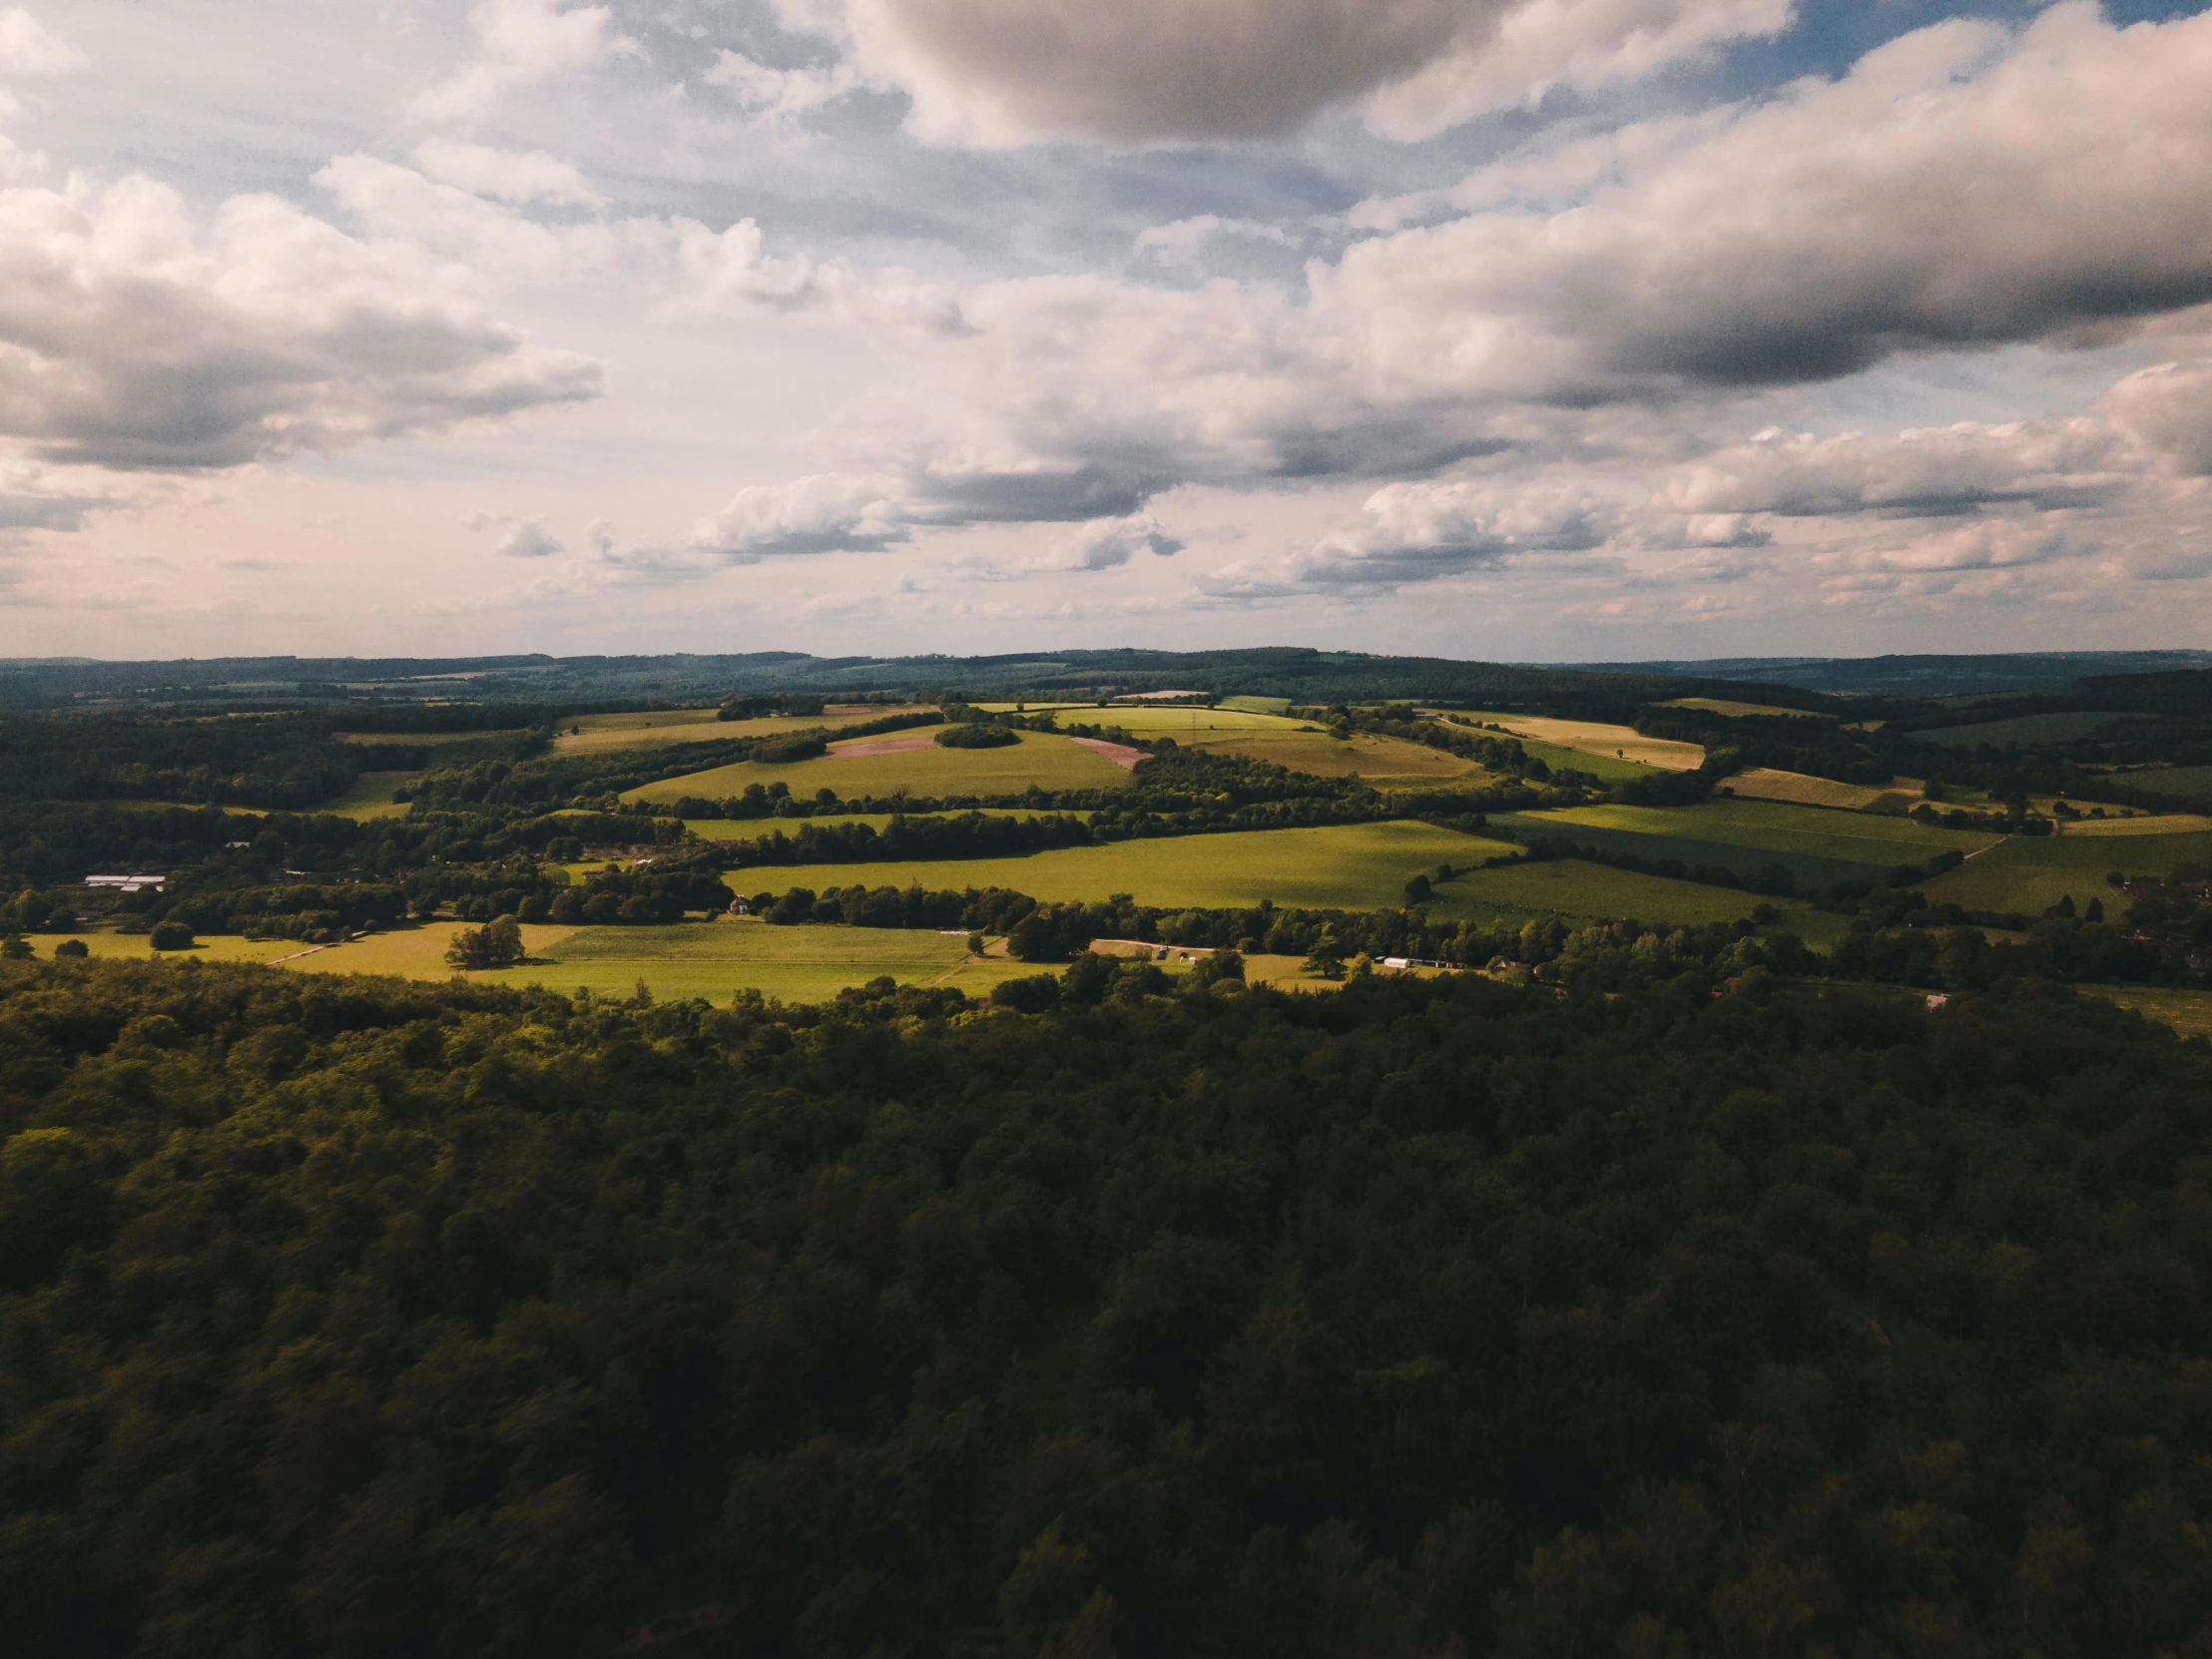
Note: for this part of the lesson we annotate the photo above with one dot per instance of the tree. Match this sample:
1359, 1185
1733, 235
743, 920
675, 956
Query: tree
171, 935
496, 944
1327, 959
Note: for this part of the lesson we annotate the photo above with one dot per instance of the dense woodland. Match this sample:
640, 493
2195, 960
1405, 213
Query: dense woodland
1608, 1316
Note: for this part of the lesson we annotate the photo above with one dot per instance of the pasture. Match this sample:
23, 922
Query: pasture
1767, 783
1043, 760
1743, 711
2175, 782
2140, 823
1578, 891
2187, 1011
1818, 846
592, 734
111, 947
1353, 867
752, 829
1590, 736
2022, 731
2028, 873
370, 796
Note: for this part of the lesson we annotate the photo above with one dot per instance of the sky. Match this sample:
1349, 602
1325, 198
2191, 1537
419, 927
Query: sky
1513, 330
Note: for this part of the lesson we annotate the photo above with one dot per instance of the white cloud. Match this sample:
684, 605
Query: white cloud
824, 513
511, 176
519, 538
519, 43
2169, 406
999, 72
1428, 532
1108, 544
28, 48
1178, 242
777, 98
129, 338
1919, 472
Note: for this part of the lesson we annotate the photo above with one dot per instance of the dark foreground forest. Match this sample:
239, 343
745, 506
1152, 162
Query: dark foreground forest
360, 1318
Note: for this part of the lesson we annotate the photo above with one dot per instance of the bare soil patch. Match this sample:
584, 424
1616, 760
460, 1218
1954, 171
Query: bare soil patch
1119, 752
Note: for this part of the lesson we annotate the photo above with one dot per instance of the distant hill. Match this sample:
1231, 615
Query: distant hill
1919, 676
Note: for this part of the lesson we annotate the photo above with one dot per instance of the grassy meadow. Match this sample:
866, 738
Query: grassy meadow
1743, 711
1578, 891
2180, 783
2187, 1011
2022, 730
2031, 872
370, 796
1386, 762
1767, 783
1818, 846
1353, 867
659, 728
1042, 758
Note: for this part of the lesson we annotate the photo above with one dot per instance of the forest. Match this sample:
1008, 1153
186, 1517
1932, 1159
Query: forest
1662, 1309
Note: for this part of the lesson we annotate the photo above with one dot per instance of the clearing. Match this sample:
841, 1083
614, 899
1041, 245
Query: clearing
370, 796
2187, 1011
1352, 867
1043, 760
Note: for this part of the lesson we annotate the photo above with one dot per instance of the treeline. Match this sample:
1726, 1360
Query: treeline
267, 760
355, 1318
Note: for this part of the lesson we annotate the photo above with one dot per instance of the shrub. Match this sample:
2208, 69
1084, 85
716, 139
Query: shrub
799, 746
71, 947
171, 935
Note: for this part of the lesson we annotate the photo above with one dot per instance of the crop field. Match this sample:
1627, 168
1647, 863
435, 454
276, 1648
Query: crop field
592, 734
1743, 711
1819, 848
2142, 823
1353, 867
2187, 1011
2180, 783
1590, 737
370, 796
1575, 890
1259, 705
2030, 873
1377, 760
436, 740
1767, 784
2024, 730
1042, 758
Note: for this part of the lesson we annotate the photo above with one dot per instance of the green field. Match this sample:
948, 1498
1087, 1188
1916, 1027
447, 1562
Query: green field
2187, 1011
1741, 711
2024, 730
1259, 705
370, 796
1041, 759
591, 733
215, 948
1818, 846
2140, 823
752, 829
1576, 890
716, 959
1356, 866
2030, 873
2192, 783
1767, 784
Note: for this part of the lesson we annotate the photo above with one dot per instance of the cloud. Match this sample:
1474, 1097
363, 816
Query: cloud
511, 176
27, 48
1178, 242
1108, 544
824, 513
527, 539
130, 339
1428, 532
1961, 186
519, 43
777, 98
2169, 406
1000, 71
1927, 471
